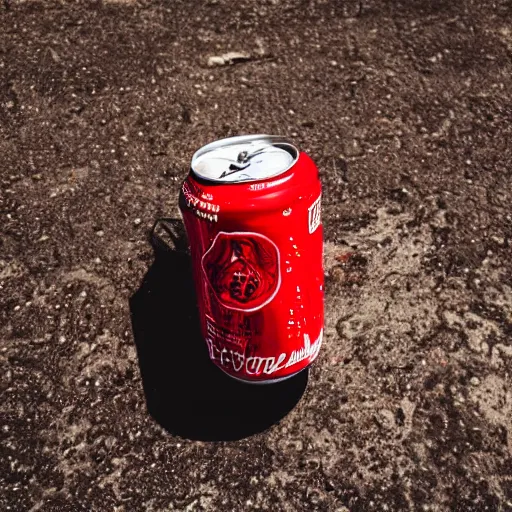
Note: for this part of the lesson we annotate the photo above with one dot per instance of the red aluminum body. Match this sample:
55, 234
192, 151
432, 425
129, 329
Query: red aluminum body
256, 251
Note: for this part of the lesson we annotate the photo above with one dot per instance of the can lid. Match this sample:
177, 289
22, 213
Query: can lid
244, 158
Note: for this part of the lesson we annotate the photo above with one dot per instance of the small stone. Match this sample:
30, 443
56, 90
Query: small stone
100, 232
499, 240
110, 442
97, 261
215, 61
227, 58
16, 308
37, 177
137, 221
475, 381
62, 339
385, 419
83, 294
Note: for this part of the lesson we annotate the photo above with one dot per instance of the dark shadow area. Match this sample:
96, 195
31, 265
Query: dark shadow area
185, 392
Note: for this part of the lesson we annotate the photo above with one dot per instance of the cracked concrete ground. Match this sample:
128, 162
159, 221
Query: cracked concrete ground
108, 400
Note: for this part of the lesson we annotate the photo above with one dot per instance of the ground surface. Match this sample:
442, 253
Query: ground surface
405, 106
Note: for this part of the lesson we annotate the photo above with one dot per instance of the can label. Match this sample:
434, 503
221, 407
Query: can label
315, 215
242, 269
228, 350
200, 202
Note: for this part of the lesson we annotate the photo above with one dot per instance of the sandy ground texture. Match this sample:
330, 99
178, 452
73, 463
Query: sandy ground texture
109, 402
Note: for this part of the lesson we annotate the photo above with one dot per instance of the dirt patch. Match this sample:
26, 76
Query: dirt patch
405, 106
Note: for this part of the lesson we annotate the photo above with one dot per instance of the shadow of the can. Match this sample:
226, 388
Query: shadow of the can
185, 393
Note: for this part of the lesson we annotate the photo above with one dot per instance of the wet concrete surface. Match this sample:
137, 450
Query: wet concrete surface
109, 402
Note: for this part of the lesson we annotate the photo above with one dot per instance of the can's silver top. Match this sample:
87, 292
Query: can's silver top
244, 158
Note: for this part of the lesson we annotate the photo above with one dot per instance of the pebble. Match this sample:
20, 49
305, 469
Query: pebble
83, 294
227, 58
499, 240
475, 381
137, 221
16, 308
100, 232
215, 61
385, 419
110, 442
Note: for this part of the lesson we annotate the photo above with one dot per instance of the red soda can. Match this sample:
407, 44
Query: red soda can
251, 208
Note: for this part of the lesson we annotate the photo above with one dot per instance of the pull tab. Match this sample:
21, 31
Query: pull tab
243, 156
242, 162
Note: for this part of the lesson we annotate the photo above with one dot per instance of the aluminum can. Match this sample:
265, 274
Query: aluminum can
252, 210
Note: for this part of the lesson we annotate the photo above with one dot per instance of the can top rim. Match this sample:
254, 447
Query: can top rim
244, 158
